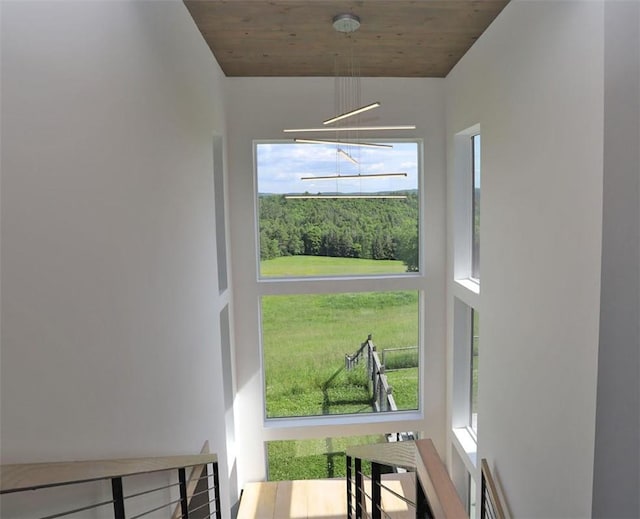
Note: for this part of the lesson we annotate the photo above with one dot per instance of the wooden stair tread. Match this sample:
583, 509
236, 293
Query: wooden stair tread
319, 498
258, 500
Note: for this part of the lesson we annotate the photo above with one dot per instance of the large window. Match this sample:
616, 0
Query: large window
306, 338
346, 342
320, 214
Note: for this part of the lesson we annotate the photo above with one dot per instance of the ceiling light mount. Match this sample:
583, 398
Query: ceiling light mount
346, 22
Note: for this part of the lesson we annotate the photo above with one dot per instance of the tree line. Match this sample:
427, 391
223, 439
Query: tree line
346, 228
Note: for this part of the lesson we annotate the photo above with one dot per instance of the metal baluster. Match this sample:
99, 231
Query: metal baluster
359, 488
216, 489
118, 498
349, 511
376, 497
184, 504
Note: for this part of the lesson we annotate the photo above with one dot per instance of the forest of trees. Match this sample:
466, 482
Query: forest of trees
347, 228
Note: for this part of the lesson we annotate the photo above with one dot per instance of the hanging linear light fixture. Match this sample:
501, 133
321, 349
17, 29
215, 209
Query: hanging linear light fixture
349, 107
352, 113
355, 177
344, 154
368, 197
346, 143
352, 128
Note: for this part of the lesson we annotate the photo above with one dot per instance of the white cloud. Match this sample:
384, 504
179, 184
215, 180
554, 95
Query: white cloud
280, 166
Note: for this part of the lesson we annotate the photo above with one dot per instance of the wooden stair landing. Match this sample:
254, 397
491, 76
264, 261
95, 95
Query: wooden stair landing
319, 498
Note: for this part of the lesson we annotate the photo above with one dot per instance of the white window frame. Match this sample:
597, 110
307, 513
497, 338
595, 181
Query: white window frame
300, 428
464, 292
463, 206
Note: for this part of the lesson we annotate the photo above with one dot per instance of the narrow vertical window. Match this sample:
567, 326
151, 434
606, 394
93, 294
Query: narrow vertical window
218, 191
475, 343
475, 207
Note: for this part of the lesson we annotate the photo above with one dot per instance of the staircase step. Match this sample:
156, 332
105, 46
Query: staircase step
319, 498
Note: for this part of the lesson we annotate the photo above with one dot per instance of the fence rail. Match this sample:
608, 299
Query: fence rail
382, 392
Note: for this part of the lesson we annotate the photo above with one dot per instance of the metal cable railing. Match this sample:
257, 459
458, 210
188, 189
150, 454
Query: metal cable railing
373, 504
491, 506
426, 491
196, 498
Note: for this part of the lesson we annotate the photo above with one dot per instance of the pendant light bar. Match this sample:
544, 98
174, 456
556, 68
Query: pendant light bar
352, 128
376, 197
351, 177
346, 143
352, 113
347, 156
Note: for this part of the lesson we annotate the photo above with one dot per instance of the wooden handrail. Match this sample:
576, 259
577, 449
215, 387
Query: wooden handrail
421, 456
29, 476
489, 485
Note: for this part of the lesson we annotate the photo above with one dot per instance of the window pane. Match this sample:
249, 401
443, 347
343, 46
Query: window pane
475, 344
305, 339
312, 459
361, 225
475, 224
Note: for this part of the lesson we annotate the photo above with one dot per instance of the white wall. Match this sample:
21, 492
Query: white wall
617, 448
260, 108
110, 335
534, 83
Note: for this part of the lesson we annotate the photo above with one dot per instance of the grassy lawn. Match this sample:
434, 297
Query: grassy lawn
306, 337
313, 459
405, 387
326, 266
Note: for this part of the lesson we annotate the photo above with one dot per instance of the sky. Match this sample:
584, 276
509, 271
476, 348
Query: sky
281, 165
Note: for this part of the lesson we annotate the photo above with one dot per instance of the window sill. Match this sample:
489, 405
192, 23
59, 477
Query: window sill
470, 284
343, 419
467, 447
467, 291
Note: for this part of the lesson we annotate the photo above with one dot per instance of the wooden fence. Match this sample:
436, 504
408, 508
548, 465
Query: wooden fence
378, 384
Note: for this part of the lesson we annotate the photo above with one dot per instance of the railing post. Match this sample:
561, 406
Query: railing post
376, 497
349, 509
216, 490
423, 511
359, 487
118, 498
184, 504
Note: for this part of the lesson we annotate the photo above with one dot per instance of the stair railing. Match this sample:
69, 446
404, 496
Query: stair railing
491, 506
126, 501
434, 494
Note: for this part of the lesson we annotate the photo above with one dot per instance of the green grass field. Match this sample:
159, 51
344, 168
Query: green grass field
313, 459
326, 266
306, 337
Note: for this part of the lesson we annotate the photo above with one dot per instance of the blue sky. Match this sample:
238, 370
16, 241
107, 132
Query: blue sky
280, 166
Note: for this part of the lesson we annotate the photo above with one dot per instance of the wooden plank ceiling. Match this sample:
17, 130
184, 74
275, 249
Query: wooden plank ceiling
397, 38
